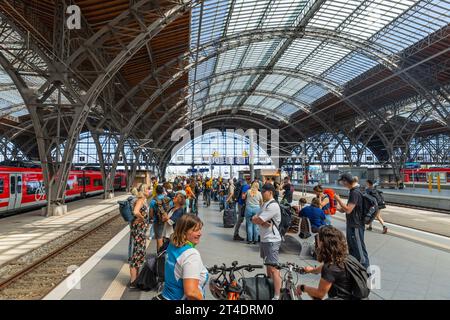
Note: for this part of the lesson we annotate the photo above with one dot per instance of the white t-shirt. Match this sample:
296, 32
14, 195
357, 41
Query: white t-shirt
270, 211
190, 266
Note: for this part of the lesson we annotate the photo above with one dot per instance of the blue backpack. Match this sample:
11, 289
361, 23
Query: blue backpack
126, 209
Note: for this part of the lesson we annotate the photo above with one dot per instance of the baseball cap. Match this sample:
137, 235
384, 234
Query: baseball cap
268, 187
346, 177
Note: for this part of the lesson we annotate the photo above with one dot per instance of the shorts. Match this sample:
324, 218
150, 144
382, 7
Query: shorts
158, 229
269, 251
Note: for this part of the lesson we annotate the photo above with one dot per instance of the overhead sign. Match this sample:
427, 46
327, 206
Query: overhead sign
229, 160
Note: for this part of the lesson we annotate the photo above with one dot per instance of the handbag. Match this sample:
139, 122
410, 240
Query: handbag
259, 287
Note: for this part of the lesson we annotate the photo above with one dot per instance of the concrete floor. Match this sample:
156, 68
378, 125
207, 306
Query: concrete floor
408, 269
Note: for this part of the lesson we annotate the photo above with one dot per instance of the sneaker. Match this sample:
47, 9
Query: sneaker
254, 242
275, 298
249, 242
385, 229
369, 229
238, 238
132, 285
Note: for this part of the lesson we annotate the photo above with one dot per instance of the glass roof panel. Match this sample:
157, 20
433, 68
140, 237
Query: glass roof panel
254, 100
282, 13
247, 15
259, 53
287, 109
324, 58
230, 59
229, 100
240, 82
297, 51
270, 82
271, 103
311, 93
220, 87
291, 86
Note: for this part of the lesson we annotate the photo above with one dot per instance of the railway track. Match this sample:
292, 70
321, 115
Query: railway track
35, 280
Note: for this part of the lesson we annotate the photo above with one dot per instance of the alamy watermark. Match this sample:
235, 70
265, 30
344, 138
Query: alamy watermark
259, 137
74, 19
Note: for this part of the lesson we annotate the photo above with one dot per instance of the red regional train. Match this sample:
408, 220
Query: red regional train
422, 175
23, 188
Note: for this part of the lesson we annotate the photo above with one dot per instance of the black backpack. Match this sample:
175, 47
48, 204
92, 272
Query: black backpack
286, 218
359, 276
151, 275
379, 196
369, 209
237, 192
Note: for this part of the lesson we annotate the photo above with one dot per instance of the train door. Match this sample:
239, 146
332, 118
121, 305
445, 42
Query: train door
15, 191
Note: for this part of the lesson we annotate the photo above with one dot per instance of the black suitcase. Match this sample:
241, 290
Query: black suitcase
229, 218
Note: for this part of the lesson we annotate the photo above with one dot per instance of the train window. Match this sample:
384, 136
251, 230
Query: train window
98, 182
2, 184
19, 184
118, 180
80, 182
87, 181
13, 185
33, 187
70, 184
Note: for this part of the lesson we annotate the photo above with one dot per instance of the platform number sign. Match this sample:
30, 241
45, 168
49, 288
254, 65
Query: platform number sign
74, 19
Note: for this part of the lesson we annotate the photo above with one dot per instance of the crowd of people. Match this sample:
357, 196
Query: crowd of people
171, 208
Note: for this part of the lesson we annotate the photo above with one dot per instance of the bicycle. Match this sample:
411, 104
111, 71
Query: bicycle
288, 287
226, 286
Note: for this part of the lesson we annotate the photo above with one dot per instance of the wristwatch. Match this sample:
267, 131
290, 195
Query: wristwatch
302, 288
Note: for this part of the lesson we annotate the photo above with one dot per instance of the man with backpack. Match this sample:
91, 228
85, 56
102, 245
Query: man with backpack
354, 214
159, 212
371, 190
269, 221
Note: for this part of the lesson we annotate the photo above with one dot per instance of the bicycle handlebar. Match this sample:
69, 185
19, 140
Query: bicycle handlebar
287, 266
248, 267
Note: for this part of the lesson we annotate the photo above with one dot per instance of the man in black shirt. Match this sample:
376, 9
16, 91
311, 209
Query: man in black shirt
354, 217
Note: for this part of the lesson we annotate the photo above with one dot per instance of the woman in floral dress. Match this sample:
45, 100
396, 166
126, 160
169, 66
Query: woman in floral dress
139, 229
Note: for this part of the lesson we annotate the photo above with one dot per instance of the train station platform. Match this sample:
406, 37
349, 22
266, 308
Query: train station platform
419, 197
412, 218
408, 269
24, 232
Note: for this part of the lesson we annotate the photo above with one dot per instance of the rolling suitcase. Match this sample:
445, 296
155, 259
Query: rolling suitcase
229, 218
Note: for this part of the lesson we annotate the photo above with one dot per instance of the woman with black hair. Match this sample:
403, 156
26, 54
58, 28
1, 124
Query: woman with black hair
332, 252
